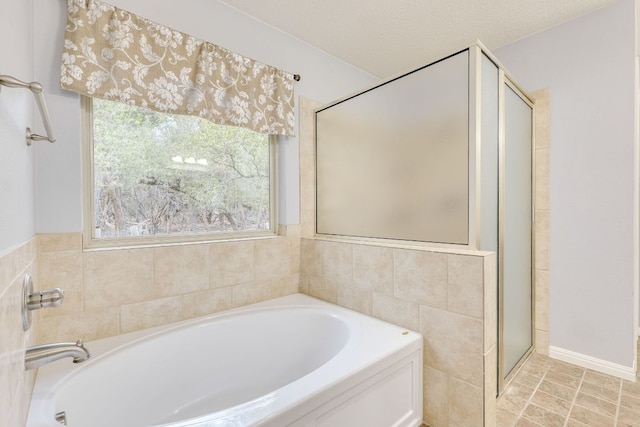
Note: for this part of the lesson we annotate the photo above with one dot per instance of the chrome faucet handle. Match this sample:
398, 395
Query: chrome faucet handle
32, 300
43, 299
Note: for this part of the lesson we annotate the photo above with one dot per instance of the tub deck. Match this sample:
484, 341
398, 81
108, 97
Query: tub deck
290, 361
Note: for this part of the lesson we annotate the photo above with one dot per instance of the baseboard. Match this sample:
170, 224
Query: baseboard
621, 371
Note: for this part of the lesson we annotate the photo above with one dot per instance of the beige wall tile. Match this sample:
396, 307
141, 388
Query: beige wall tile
8, 386
308, 220
61, 270
114, 278
490, 302
542, 179
436, 397
286, 285
206, 302
542, 300
542, 240
12, 302
306, 108
466, 285
143, 315
542, 118
307, 165
359, 277
60, 242
271, 258
323, 289
250, 293
453, 344
373, 268
542, 342
181, 269
88, 326
304, 284
16, 385
293, 231
420, 276
465, 404
294, 254
355, 299
24, 399
337, 262
397, 311
490, 386
17, 415
14, 263
26, 254
307, 183
543, 165
231, 263
310, 261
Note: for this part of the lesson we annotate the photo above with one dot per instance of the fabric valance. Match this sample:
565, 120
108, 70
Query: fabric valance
116, 55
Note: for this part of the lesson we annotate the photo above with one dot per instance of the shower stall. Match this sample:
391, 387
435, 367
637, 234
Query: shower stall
439, 156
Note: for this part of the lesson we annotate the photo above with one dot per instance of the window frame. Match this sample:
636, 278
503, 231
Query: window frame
88, 203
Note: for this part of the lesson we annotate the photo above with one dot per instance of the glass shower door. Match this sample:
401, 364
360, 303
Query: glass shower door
516, 231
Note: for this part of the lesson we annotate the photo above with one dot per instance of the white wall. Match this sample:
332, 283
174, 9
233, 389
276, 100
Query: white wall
58, 175
16, 114
588, 64
17, 228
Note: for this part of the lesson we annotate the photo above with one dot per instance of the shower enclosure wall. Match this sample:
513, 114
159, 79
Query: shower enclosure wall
440, 155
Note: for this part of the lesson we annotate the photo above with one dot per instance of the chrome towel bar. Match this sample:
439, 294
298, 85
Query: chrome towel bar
36, 88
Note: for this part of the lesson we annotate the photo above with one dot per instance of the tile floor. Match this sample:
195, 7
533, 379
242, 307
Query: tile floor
549, 393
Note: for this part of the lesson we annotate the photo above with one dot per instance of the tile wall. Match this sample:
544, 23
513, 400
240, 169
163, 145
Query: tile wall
448, 296
15, 384
109, 292
542, 159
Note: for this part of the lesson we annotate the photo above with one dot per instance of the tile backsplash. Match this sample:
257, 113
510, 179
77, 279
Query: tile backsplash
16, 384
109, 292
448, 297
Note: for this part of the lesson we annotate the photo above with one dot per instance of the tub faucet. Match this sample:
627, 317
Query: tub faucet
42, 354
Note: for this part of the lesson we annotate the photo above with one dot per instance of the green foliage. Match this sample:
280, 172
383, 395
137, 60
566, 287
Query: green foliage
159, 174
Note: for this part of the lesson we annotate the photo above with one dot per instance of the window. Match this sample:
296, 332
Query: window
158, 177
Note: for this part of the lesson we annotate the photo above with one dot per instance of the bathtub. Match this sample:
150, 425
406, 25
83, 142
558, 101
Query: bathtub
290, 361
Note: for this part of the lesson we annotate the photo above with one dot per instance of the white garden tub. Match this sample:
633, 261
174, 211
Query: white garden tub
291, 361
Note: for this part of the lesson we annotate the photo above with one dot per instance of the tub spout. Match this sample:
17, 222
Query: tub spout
42, 354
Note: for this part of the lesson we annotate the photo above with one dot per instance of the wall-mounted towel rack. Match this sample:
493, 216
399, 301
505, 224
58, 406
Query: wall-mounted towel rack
36, 88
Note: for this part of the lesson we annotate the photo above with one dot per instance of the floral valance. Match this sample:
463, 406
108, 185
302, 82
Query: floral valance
112, 54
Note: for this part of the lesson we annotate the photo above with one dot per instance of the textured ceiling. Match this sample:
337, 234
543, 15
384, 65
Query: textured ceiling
386, 37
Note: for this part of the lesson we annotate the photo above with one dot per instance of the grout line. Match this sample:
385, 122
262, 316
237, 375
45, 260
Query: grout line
575, 397
615, 419
528, 402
